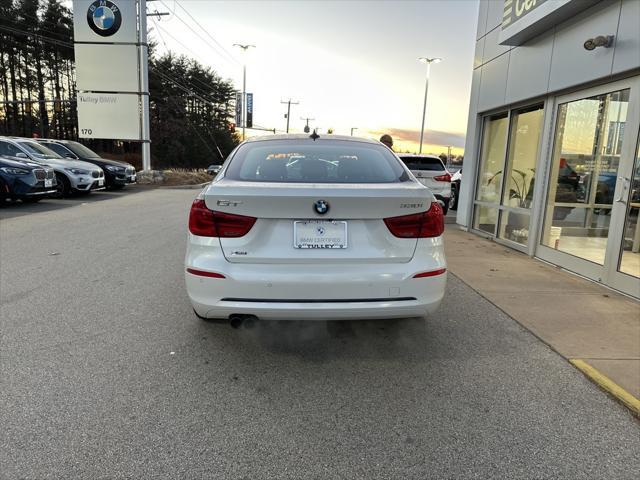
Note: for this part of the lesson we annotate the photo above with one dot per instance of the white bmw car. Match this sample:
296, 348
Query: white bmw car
307, 227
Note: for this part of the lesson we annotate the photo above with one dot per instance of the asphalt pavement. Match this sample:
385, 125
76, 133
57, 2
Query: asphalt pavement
106, 373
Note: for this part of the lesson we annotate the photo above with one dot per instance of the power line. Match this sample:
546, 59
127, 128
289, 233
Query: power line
203, 92
208, 34
198, 35
69, 45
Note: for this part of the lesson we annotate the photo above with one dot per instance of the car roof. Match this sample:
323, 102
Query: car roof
306, 136
418, 155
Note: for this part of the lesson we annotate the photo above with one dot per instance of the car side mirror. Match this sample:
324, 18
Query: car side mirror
21, 155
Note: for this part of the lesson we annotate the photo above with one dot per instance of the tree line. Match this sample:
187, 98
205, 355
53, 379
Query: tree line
191, 107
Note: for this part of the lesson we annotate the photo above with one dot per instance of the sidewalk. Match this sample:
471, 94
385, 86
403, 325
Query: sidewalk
594, 328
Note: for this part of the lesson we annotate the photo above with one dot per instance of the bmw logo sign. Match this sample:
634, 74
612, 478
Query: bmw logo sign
321, 207
104, 17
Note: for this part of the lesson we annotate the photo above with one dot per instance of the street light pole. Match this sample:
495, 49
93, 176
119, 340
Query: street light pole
352, 129
428, 61
243, 113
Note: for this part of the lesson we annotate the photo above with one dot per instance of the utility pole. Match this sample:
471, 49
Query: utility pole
306, 127
352, 129
243, 114
448, 156
289, 103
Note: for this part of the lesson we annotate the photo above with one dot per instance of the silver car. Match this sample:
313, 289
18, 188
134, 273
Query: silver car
72, 175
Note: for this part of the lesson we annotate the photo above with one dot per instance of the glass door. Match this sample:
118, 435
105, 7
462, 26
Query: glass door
626, 276
593, 152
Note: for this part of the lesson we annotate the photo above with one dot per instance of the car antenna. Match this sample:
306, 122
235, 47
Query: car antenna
314, 135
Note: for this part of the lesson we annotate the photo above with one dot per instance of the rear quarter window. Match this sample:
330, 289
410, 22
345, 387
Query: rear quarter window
315, 162
423, 163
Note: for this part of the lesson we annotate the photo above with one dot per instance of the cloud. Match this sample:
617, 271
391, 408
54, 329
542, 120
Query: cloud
433, 137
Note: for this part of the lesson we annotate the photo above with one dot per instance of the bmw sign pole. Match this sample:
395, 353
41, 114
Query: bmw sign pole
112, 73
144, 84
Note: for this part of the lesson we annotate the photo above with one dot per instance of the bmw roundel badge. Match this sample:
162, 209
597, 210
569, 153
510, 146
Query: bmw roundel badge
104, 17
321, 207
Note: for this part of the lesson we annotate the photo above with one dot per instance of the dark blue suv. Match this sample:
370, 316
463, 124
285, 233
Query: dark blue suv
26, 181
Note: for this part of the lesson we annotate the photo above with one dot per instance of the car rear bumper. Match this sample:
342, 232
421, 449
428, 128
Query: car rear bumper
316, 291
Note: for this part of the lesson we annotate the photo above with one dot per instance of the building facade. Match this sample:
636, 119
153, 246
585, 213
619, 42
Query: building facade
552, 156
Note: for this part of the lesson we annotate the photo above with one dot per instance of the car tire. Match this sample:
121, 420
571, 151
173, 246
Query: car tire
63, 188
453, 200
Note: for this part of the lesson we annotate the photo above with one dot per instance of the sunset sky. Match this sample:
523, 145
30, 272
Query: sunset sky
348, 63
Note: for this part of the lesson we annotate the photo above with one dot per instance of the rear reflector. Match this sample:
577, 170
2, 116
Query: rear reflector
203, 273
432, 273
443, 178
418, 225
208, 223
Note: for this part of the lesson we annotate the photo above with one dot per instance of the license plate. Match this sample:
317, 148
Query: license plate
100, 182
319, 234
132, 178
48, 182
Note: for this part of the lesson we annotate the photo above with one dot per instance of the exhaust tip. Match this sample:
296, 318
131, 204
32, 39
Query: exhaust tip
236, 321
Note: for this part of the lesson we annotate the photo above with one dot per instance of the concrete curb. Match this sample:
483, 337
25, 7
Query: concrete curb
608, 385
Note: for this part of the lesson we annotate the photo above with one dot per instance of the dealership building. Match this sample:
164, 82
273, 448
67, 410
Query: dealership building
552, 163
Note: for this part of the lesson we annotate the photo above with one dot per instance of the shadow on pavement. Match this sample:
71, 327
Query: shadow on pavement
18, 208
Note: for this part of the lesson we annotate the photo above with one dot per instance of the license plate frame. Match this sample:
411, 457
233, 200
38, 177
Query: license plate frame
338, 228
48, 182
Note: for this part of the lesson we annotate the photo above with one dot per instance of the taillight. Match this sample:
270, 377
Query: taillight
418, 225
432, 273
204, 273
443, 178
208, 223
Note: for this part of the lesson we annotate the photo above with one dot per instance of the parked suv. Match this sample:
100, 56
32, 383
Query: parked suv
71, 175
117, 174
456, 179
26, 181
431, 172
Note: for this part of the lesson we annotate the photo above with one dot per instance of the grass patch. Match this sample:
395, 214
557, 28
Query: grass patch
184, 176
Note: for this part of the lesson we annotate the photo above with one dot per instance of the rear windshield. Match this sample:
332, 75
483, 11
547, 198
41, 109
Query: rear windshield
315, 162
423, 163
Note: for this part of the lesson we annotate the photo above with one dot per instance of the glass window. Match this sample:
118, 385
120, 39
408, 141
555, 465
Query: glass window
492, 158
80, 150
514, 226
526, 128
307, 161
38, 149
8, 149
423, 163
485, 219
59, 149
583, 174
630, 258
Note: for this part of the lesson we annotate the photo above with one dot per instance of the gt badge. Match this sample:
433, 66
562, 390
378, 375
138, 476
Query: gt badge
104, 17
321, 207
